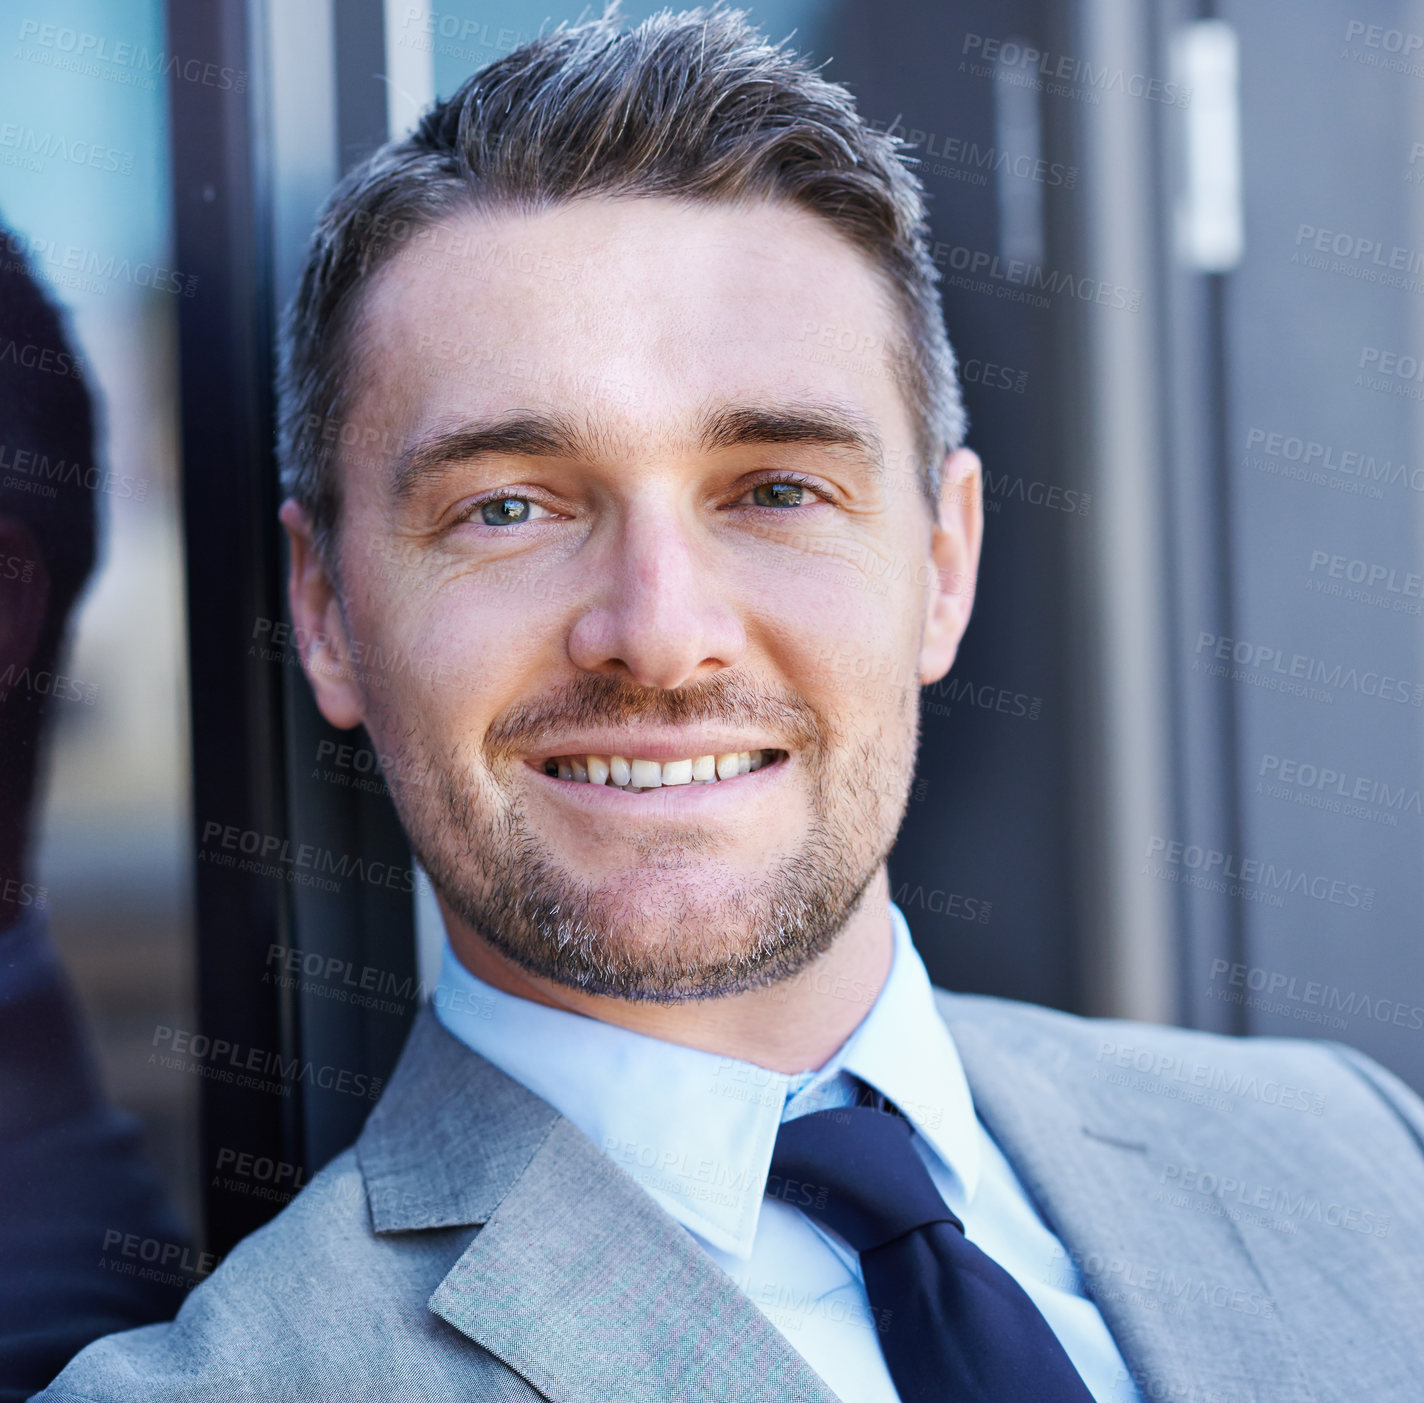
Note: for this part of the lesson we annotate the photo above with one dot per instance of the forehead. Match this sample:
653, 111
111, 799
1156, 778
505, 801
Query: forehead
635, 314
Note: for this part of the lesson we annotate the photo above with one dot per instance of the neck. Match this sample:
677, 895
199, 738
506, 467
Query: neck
793, 1026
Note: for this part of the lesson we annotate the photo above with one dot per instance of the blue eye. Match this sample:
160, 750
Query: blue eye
786, 492
504, 511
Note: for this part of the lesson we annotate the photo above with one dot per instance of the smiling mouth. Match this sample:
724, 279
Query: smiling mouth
635, 776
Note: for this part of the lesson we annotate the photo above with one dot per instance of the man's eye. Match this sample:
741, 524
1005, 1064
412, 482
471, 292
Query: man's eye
785, 492
504, 510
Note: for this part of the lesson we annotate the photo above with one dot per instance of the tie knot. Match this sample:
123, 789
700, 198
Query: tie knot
856, 1171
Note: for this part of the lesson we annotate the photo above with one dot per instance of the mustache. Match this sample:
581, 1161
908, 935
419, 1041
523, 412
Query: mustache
593, 699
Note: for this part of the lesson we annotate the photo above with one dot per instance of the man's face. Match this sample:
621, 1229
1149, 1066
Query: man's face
632, 498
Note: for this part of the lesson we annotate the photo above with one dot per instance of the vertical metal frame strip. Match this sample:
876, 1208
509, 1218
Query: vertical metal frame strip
233, 599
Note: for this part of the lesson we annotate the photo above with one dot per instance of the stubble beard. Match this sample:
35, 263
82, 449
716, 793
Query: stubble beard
651, 935
653, 939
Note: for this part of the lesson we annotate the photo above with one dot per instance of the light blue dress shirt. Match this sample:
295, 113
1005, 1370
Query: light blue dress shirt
696, 1131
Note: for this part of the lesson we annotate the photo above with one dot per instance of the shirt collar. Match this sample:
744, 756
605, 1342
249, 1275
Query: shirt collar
696, 1130
903, 1049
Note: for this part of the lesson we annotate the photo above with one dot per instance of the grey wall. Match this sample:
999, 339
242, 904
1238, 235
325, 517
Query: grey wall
1328, 137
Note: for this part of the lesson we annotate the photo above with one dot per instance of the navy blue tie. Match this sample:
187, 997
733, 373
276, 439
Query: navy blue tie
953, 1325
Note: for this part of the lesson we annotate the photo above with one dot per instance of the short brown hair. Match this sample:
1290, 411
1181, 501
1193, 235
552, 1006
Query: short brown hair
697, 105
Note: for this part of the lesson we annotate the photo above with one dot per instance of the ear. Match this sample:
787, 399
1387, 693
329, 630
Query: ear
320, 629
954, 550
24, 594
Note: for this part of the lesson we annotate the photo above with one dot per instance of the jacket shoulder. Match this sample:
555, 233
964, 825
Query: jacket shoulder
1328, 1084
312, 1305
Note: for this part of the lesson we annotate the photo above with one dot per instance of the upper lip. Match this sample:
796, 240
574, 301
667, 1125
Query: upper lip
661, 746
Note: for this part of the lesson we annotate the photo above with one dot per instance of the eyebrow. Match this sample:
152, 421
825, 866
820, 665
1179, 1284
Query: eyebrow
537, 434
821, 425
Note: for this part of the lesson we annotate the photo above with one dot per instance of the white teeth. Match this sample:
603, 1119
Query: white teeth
622, 772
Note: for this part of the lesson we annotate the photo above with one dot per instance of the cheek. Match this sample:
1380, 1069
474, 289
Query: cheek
850, 628
471, 649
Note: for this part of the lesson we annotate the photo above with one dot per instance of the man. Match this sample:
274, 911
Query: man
653, 582
73, 1178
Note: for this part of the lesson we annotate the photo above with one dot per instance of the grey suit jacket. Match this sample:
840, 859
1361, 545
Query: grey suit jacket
1248, 1216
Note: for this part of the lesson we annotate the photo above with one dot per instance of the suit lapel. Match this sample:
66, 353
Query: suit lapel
577, 1279
583, 1285
1180, 1291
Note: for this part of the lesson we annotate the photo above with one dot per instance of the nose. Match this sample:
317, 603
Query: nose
660, 612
